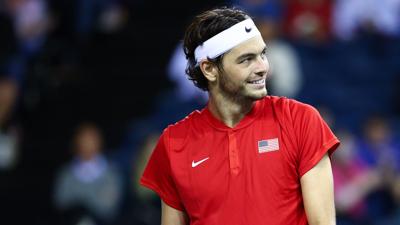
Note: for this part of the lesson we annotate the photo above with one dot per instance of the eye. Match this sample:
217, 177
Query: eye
264, 54
245, 60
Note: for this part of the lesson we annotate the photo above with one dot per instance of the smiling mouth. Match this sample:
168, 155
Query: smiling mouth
261, 81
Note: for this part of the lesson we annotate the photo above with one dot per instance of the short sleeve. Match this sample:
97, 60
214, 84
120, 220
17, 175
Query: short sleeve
158, 177
314, 137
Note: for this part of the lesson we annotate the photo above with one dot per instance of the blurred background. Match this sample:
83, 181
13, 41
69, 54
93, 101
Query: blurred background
87, 86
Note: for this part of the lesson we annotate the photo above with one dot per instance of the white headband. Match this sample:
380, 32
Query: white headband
226, 40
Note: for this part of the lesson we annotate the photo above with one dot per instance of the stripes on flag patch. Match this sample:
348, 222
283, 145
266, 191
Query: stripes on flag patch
268, 145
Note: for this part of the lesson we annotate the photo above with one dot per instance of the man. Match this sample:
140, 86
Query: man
89, 187
246, 158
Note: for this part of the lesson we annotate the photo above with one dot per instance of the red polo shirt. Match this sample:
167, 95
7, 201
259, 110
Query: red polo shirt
246, 175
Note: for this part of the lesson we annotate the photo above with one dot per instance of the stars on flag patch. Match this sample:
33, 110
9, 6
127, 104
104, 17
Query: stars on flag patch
268, 145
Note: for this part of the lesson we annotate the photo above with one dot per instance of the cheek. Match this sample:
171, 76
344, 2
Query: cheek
267, 64
242, 75
237, 75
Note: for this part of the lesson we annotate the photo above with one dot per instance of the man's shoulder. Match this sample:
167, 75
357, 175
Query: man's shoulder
195, 115
177, 133
282, 100
289, 110
289, 104
181, 127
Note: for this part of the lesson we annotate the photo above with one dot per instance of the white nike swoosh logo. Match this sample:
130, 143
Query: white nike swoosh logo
194, 164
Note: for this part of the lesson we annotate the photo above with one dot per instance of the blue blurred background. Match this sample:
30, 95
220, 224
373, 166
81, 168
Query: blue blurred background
87, 86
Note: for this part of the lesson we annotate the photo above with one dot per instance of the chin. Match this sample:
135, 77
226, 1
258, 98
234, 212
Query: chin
259, 95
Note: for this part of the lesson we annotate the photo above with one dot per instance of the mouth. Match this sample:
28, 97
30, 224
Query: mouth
258, 84
260, 81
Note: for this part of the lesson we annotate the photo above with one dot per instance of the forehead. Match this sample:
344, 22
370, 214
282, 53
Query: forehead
254, 45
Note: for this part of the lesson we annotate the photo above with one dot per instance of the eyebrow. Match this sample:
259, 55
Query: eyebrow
245, 55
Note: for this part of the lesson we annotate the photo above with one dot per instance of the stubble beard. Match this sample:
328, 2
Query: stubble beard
230, 91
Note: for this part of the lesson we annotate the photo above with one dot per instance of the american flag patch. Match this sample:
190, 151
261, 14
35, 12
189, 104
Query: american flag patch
268, 145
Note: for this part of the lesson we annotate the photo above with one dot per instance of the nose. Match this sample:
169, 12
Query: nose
262, 66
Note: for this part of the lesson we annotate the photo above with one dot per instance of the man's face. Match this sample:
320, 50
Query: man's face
88, 143
245, 68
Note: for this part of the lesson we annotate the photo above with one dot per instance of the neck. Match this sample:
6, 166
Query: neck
229, 111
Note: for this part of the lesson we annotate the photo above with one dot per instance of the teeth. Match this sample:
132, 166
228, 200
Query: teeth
257, 81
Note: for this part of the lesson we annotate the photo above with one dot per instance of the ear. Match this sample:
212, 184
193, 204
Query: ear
209, 70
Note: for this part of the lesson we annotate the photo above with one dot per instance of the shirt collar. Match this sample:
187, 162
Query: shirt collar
246, 120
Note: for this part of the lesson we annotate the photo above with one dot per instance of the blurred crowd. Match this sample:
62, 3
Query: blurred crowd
87, 86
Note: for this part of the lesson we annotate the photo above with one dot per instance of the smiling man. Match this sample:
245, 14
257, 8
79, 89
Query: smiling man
246, 158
